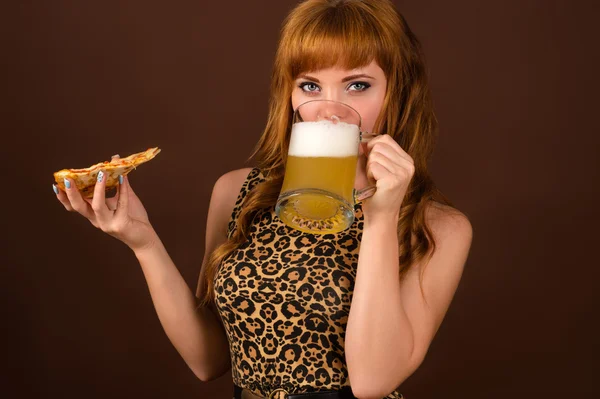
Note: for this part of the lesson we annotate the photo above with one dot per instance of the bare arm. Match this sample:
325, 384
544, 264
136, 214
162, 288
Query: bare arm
390, 327
197, 334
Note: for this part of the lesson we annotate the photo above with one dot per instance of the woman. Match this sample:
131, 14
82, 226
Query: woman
351, 313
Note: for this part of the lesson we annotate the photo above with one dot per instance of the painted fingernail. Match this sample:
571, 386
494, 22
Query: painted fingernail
55, 189
67, 183
120, 179
100, 176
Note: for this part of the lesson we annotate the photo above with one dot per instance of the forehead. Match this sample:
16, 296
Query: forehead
338, 71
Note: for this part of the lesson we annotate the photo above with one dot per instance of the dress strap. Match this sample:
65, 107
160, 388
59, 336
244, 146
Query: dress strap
254, 177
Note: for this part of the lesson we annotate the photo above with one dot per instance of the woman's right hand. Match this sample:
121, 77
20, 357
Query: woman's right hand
122, 216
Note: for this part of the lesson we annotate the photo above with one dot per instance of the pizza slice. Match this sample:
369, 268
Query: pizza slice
85, 179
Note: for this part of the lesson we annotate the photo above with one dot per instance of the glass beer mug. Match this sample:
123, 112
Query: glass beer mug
318, 194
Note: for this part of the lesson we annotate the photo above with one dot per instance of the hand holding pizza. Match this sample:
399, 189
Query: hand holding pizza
122, 216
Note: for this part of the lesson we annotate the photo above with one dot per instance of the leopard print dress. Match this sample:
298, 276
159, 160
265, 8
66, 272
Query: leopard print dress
284, 298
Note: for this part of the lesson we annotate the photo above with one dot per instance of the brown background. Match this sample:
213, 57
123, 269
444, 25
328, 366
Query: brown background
516, 95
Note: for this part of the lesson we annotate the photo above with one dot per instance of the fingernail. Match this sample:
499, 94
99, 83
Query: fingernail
55, 189
120, 179
100, 176
67, 183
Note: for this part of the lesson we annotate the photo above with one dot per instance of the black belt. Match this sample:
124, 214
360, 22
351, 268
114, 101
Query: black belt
280, 393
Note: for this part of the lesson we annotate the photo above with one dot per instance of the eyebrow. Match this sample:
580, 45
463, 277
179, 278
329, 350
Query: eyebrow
346, 79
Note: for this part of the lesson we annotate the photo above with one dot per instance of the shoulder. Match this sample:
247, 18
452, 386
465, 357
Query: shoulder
444, 263
225, 193
232, 181
441, 215
448, 225
228, 186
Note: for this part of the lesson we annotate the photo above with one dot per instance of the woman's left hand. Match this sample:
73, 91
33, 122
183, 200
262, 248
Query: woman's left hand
392, 169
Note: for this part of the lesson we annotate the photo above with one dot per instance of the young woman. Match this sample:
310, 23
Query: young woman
292, 313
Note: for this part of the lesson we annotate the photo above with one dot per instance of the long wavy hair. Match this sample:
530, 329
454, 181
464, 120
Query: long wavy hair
320, 34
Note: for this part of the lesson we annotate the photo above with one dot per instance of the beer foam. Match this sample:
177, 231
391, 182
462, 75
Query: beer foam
324, 139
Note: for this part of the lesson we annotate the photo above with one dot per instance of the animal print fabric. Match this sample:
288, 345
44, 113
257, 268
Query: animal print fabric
284, 298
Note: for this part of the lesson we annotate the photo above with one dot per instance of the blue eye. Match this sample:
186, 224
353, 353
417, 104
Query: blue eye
360, 86
308, 87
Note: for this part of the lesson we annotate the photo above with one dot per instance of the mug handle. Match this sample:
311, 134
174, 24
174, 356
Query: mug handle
369, 191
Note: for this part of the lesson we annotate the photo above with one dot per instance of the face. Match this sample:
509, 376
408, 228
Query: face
362, 88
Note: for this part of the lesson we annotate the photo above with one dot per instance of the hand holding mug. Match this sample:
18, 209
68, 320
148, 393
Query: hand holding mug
392, 169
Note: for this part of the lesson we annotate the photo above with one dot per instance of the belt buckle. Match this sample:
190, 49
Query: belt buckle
278, 390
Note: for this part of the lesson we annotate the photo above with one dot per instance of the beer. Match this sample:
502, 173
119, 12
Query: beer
318, 188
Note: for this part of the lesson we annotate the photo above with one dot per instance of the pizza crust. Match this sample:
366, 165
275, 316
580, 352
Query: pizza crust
85, 179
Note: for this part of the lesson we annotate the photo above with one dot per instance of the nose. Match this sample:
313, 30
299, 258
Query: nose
332, 111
